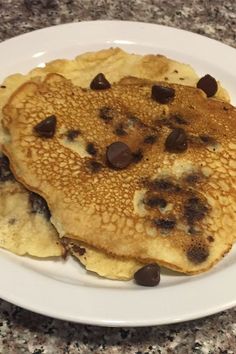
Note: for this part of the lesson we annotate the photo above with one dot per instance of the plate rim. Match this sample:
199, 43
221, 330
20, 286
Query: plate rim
123, 22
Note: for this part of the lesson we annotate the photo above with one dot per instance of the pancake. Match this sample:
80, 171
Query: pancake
105, 265
115, 64
24, 223
25, 228
173, 208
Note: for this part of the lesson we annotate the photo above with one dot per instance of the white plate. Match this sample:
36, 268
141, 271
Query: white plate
65, 290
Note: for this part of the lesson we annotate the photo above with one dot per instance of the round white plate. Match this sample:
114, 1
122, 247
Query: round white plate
63, 289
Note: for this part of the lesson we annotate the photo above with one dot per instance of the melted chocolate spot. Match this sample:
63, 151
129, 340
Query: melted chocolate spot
194, 210
78, 249
208, 84
162, 94
106, 113
154, 202
197, 254
72, 134
192, 178
100, 82
176, 142
208, 140
119, 155
39, 205
5, 172
149, 275
47, 127
137, 156
150, 139
120, 131
210, 239
167, 224
94, 166
164, 185
90, 148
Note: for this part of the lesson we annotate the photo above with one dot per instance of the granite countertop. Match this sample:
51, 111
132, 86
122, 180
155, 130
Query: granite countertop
22, 331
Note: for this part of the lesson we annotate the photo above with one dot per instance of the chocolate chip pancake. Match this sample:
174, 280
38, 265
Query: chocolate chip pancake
24, 219
25, 228
103, 264
137, 169
115, 64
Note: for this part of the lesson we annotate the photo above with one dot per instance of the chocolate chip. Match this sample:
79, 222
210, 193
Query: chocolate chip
72, 134
5, 172
119, 130
149, 275
3, 86
194, 210
90, 148
137, 156
94, 165
78, 249
39, 205
197, 254
47, 127
119, 155
150, 139
176, 141
167, 224
162, 94
106, 113
100, 82
208, 84
154, 202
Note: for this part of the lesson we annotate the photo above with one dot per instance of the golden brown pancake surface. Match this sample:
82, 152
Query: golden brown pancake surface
122, 211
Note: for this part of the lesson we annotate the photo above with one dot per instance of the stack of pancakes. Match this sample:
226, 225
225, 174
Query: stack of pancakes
126, 161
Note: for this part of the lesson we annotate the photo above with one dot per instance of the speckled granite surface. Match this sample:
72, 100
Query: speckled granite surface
24, 332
